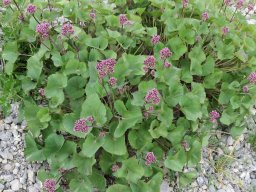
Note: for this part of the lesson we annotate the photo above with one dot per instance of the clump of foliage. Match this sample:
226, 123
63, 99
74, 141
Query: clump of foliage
115, 95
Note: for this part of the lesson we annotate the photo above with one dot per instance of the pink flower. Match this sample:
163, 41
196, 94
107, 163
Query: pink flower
105, 67
67, 29
167, 64
6, 2
153, 96
246, 89
43, 29
252, 77
214, 115
146, 114
151, 109
102, 134
150, 158
114, 168
112, 81
150, 62
152, 72
227, 2
165, 53
31, 8
239, 4
122, 19
83, 125
225, 30
92, 15
50, 185
205, 16
145, 68
155, 39
250, 7
128, 23
41, 91
185, 3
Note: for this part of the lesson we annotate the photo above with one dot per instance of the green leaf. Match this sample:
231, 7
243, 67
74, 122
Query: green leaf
237, 131
176, 162
75, 67
208, 66
78, 185
178, 46
131, 170
53, 144
75, 87
118, 188
198, 90
225, 51
54, 89
194, 154
114, 145
98, 180
129, 119
98, 43
211, 80
157, 130
91, 145
10, 53
43, 115
57, 59
228, 116
84, 165
191, 107
187, 33
94, 107
197, 57
31, 150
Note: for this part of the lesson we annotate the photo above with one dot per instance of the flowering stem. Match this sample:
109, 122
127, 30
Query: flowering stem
17, 7
49, 5
35, 18
233, 16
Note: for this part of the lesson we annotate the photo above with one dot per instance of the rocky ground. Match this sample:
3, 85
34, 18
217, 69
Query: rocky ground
227, 165
16, 174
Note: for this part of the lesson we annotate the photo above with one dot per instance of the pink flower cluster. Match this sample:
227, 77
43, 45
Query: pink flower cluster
123, 20
167, 64
112, 81
185, 3
252, 77
31, 9
83, 125
92, 15
105, 67
50, 185
43, 29
102, 134
41, 91
6, 2
115, 168
214, 115
155, 39
250, 7
153, 96
150, 62
165, 53
225, 30
67, 29
227, 2
239, 4
205, 16
246, 89
150, 158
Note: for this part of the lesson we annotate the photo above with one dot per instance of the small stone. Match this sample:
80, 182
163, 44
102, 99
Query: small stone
243, 175
212, 188
31, 176
230, 141
7, 167
8, 120
1, 187
204, 187
200, 181
15, 171
15, 185
221, 190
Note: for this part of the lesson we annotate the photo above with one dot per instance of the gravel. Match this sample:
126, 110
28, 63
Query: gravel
16, 174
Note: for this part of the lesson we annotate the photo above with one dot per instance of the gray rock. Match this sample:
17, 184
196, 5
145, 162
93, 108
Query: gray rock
211, 188
15, 185
31, 176
1, 187
200, 181
221, 190
230, 141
